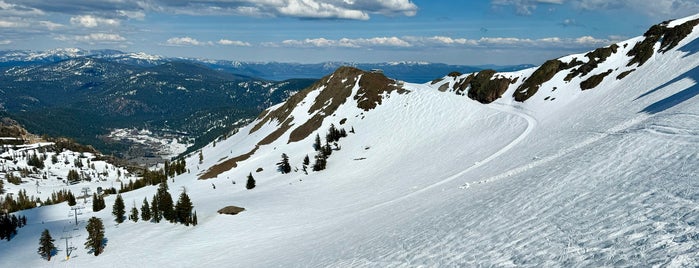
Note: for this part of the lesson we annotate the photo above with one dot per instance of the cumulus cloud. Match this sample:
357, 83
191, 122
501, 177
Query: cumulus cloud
90, 21
185, 41
226, 42
93, 38
136, 9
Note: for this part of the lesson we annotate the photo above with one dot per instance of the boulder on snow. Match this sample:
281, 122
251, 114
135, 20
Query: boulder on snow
231, 210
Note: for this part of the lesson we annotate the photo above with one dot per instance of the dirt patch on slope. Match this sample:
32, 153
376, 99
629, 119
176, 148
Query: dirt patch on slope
227, 165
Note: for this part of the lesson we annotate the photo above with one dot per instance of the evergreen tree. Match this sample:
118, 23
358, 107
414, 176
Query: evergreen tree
71, 199
201, 157
97, 203
73, 175
327, 150
195, 221
155, 209
145, 210
321, 161
317, 145
46, 247
95, 235
283, 165
165, 203
306, 161
134, 213
36, 161
183, 209
251, 182
118, 210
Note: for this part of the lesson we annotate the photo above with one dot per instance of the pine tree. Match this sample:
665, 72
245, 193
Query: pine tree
283, 165
165, 203
71, 199
327, 150
95, 235
183, 209
201, 157
118, 210
195, 221
321, 161
155, 209
306, 161
251, 182
46, 247
73, 175
317, 145
97, 203
145, 210
134, 213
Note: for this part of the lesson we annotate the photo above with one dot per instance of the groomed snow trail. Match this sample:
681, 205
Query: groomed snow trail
531, 124
541, 161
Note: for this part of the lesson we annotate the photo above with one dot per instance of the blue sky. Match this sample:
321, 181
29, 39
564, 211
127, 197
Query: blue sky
455, 32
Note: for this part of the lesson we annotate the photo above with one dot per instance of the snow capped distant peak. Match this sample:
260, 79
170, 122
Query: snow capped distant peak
408, 63
144, 56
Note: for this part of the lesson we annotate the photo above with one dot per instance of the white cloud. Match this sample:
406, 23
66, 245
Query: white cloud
9, 9
652, 8
524, 7
317, 9
5, 42
185, 41
90, 21
227, 42
343, 42
136, 14
446, 41
50, 25
12, 24
93, 38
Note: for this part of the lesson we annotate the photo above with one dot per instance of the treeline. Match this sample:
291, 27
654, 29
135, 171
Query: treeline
154, 177
160, 208
323, 152
10, 224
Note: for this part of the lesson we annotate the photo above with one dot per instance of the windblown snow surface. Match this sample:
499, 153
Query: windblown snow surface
602, 177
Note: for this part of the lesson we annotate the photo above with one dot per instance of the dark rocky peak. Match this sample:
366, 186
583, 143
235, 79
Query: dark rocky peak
668, 38
335, 90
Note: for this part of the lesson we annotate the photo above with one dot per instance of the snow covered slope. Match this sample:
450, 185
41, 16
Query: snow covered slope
544, 174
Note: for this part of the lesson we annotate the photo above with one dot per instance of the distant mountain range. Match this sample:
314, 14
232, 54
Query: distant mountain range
86, 97
409, 71
86, 94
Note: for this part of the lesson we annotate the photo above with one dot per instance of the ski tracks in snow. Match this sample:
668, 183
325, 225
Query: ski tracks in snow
540, 161
531, 124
